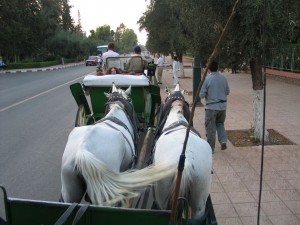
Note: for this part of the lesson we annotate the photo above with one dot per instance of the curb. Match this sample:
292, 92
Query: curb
41, 69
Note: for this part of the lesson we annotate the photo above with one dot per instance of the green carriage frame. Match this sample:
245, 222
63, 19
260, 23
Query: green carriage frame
36, 212
90, 98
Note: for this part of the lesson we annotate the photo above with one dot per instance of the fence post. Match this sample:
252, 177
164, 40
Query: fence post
293, 60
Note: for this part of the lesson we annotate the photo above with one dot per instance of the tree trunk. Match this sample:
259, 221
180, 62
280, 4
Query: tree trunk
258, 99
181, 66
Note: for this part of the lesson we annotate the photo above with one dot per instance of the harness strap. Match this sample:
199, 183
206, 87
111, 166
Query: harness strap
130, 114
64, 217
167, 131
179, 123
173, 125
81, 211
119, 122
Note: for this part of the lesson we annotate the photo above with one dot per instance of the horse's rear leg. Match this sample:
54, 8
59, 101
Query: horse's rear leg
198, 202
73, 187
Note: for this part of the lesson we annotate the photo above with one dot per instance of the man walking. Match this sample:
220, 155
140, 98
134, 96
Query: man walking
215, 90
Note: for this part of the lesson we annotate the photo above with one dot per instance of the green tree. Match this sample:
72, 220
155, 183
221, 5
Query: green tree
125, 39
247, 39
103, 34
67, 21
200, 23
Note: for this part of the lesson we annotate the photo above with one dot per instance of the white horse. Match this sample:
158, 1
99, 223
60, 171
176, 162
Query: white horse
97, 160
196, 178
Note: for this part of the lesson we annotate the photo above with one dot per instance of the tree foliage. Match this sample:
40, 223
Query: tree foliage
258, 27
195, 25
44, 29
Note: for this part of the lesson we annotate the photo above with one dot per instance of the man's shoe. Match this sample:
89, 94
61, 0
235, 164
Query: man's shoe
223, 146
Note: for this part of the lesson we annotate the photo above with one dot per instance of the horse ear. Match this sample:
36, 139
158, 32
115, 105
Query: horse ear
128, 90
114, 88
177, 88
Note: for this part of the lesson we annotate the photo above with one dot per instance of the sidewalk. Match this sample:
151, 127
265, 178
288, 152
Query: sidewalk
56, 67
235, 184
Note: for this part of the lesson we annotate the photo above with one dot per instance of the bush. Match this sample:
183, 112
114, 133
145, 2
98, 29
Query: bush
32, 65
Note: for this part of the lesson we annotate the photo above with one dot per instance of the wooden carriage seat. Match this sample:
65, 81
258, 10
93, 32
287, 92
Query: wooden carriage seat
97, 85
127, 64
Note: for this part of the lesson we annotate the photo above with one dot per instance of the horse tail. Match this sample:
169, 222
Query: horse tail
106, 187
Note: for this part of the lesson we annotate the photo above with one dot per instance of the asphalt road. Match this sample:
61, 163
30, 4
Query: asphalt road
37, 112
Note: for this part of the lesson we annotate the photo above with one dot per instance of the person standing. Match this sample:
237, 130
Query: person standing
160, 67
215, 90
137, 63
112, 70
175, 70
110, 53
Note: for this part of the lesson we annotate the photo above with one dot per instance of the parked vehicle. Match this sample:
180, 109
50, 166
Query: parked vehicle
92, 61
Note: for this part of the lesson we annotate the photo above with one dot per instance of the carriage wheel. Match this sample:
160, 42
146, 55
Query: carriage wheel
80, 116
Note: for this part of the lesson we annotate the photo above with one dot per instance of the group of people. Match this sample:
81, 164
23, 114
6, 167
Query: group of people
215, 89
136, 63
160, 66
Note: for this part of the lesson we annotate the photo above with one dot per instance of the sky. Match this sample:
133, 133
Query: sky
96, 13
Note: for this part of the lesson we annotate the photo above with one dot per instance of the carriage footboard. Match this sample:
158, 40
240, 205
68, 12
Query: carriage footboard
22, 211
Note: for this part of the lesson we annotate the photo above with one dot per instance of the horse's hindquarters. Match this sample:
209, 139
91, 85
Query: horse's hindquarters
196, 178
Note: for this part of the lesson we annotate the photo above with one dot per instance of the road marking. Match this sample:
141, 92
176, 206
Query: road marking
42, 93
